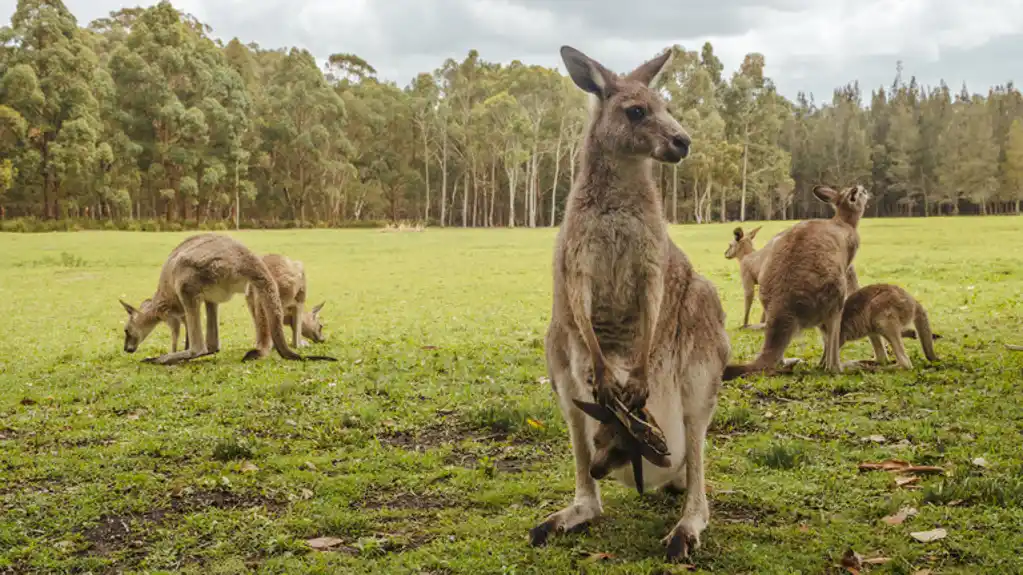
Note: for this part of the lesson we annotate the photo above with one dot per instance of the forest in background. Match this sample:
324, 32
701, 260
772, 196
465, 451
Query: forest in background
142, 120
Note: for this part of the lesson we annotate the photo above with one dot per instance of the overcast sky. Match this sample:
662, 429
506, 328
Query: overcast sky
810, 45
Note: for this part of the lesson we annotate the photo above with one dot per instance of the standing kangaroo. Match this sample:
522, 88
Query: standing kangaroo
884, 310
750, 263
289, 275
628, 306
210, 269
805, 280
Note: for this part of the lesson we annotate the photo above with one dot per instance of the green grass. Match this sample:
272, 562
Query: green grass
414, 450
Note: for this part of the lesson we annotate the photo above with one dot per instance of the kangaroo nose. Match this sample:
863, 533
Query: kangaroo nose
681, 142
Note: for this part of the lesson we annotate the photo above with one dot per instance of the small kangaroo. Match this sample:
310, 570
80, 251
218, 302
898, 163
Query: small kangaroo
751, 261
291, 282
291, 285
805, 280
206, 268
629, 307
885, 310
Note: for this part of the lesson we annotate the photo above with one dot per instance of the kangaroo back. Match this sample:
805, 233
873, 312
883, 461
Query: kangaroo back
923, 328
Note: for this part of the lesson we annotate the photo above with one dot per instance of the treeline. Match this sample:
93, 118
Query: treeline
141, 120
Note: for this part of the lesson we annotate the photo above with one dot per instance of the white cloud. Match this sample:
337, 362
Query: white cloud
809, 45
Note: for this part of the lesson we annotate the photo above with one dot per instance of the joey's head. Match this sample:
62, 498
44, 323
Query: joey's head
742, 245
849, 204
628, 116
612, 447
312, 327
140, 324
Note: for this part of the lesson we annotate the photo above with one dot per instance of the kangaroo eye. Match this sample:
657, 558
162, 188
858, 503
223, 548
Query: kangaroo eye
635, 113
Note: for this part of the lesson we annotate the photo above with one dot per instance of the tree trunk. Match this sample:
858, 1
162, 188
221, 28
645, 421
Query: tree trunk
465, 203
511, 195
426, 169
493, 192
723, 206
444, 180
745, 164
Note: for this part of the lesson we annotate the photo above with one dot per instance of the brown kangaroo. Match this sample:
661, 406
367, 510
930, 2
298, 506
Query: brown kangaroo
751, 261
884, 310
629, 307
805, 280
289, 275
207, 269
291, 286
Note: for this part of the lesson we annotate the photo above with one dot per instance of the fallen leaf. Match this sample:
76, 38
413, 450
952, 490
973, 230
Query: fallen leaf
596, 557
899, 517
876, 560
901, 466
928, 536
324, 543
980, 462
291, 422
906, 480
534, 423
133, 416
309, 465
804, 529
249, 467
306, 493
886, 465
923, 572
954, 502
28, 401
875, 439
428, 347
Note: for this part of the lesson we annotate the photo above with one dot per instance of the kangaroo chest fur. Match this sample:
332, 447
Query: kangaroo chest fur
616, 250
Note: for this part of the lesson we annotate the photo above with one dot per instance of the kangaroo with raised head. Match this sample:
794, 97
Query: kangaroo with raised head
884, 310
750, 263
805, 280
291, 282
628, 306
207, 269
291, 285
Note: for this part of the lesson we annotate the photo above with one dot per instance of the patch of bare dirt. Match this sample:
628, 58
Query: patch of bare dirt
118, 532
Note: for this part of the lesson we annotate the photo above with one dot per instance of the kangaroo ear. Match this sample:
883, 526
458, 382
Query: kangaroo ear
753, 232
587, 73
737, 232
316, 309
825, 194
648, 72
598, 412
128, 307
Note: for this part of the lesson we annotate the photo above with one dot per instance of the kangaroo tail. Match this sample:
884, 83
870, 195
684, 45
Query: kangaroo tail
268, 297
923, 327
778, 333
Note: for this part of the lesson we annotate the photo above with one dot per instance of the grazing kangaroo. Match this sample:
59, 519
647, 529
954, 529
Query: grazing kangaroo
210, 269
289, 275
629, 307
884, 310
291, 285
805, 280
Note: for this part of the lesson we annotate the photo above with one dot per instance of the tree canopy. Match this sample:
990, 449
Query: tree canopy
143, 115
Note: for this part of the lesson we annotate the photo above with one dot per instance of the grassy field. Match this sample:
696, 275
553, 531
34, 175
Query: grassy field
416, 451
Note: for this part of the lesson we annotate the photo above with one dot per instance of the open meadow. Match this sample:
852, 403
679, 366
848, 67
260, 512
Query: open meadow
435, 443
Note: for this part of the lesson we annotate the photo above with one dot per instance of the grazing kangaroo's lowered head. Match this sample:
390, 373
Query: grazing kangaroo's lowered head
805, 280
628, 116
140, 324
742, 245
636, 342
